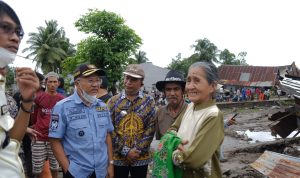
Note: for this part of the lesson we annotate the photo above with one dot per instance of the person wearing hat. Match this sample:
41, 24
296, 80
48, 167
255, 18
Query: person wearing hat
133, 115
80, 128
200, 126
44, 103
173, 89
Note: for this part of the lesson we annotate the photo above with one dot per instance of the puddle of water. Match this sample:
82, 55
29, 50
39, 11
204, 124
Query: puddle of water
261, 136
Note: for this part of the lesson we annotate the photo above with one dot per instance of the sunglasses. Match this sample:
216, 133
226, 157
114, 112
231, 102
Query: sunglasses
10, 29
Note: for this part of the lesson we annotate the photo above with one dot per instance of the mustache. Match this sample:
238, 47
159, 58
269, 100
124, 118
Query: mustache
171, 97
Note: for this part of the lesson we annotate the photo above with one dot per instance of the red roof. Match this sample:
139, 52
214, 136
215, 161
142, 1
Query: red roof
247, 75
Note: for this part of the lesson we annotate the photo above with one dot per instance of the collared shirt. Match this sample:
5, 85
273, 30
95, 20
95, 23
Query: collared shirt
10, 162
202, 125
164, 120
134, 123
82, 131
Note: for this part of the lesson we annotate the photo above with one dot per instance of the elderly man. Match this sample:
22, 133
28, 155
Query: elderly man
80, 128
173, 89
132, 114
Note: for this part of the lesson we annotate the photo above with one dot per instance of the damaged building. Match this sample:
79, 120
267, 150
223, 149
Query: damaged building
235, 76
284, 123
288, 120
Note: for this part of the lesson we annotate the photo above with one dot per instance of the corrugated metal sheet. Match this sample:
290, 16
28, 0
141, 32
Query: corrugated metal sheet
258, 75
290, 86
275, 165
262, 84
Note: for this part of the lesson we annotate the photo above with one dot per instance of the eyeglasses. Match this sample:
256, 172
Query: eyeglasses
10, 29
93, 81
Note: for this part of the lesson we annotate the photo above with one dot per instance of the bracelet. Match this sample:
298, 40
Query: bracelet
25, 110
27, 101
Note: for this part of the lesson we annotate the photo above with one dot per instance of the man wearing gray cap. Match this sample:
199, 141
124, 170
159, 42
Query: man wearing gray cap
44, 103
173, 88
132, 114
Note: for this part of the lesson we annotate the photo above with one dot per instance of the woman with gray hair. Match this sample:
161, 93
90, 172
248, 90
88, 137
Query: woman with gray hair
201, 126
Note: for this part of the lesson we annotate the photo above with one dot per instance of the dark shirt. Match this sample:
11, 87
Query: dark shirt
164, 120
17, 99
105, 97
61, 91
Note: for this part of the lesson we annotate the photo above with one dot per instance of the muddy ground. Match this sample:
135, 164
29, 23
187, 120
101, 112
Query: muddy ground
239, 152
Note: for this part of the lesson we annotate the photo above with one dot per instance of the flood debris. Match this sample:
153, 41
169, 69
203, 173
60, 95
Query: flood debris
289, 120
275, 165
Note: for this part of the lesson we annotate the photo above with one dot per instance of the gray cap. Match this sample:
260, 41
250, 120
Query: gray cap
52, 74
135, 70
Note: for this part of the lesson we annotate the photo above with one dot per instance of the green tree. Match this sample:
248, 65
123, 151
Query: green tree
182, 65
206, 51
226, 57
140, 57
109, 45
10, 77
49, 47
229, 58
241, 58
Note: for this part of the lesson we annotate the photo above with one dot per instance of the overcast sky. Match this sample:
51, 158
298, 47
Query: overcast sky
268, 30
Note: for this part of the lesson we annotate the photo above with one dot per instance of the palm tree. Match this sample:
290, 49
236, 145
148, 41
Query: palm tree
206, 50
141, 57
49, 47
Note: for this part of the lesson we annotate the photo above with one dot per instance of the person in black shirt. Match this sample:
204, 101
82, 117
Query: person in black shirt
102, 92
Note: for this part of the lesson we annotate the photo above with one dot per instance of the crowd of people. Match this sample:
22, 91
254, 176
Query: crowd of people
246, 94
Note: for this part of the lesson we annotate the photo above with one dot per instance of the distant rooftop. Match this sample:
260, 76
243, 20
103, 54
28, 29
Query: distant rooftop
249, 75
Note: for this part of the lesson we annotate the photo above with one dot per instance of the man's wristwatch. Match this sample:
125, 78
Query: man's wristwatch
111, 162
